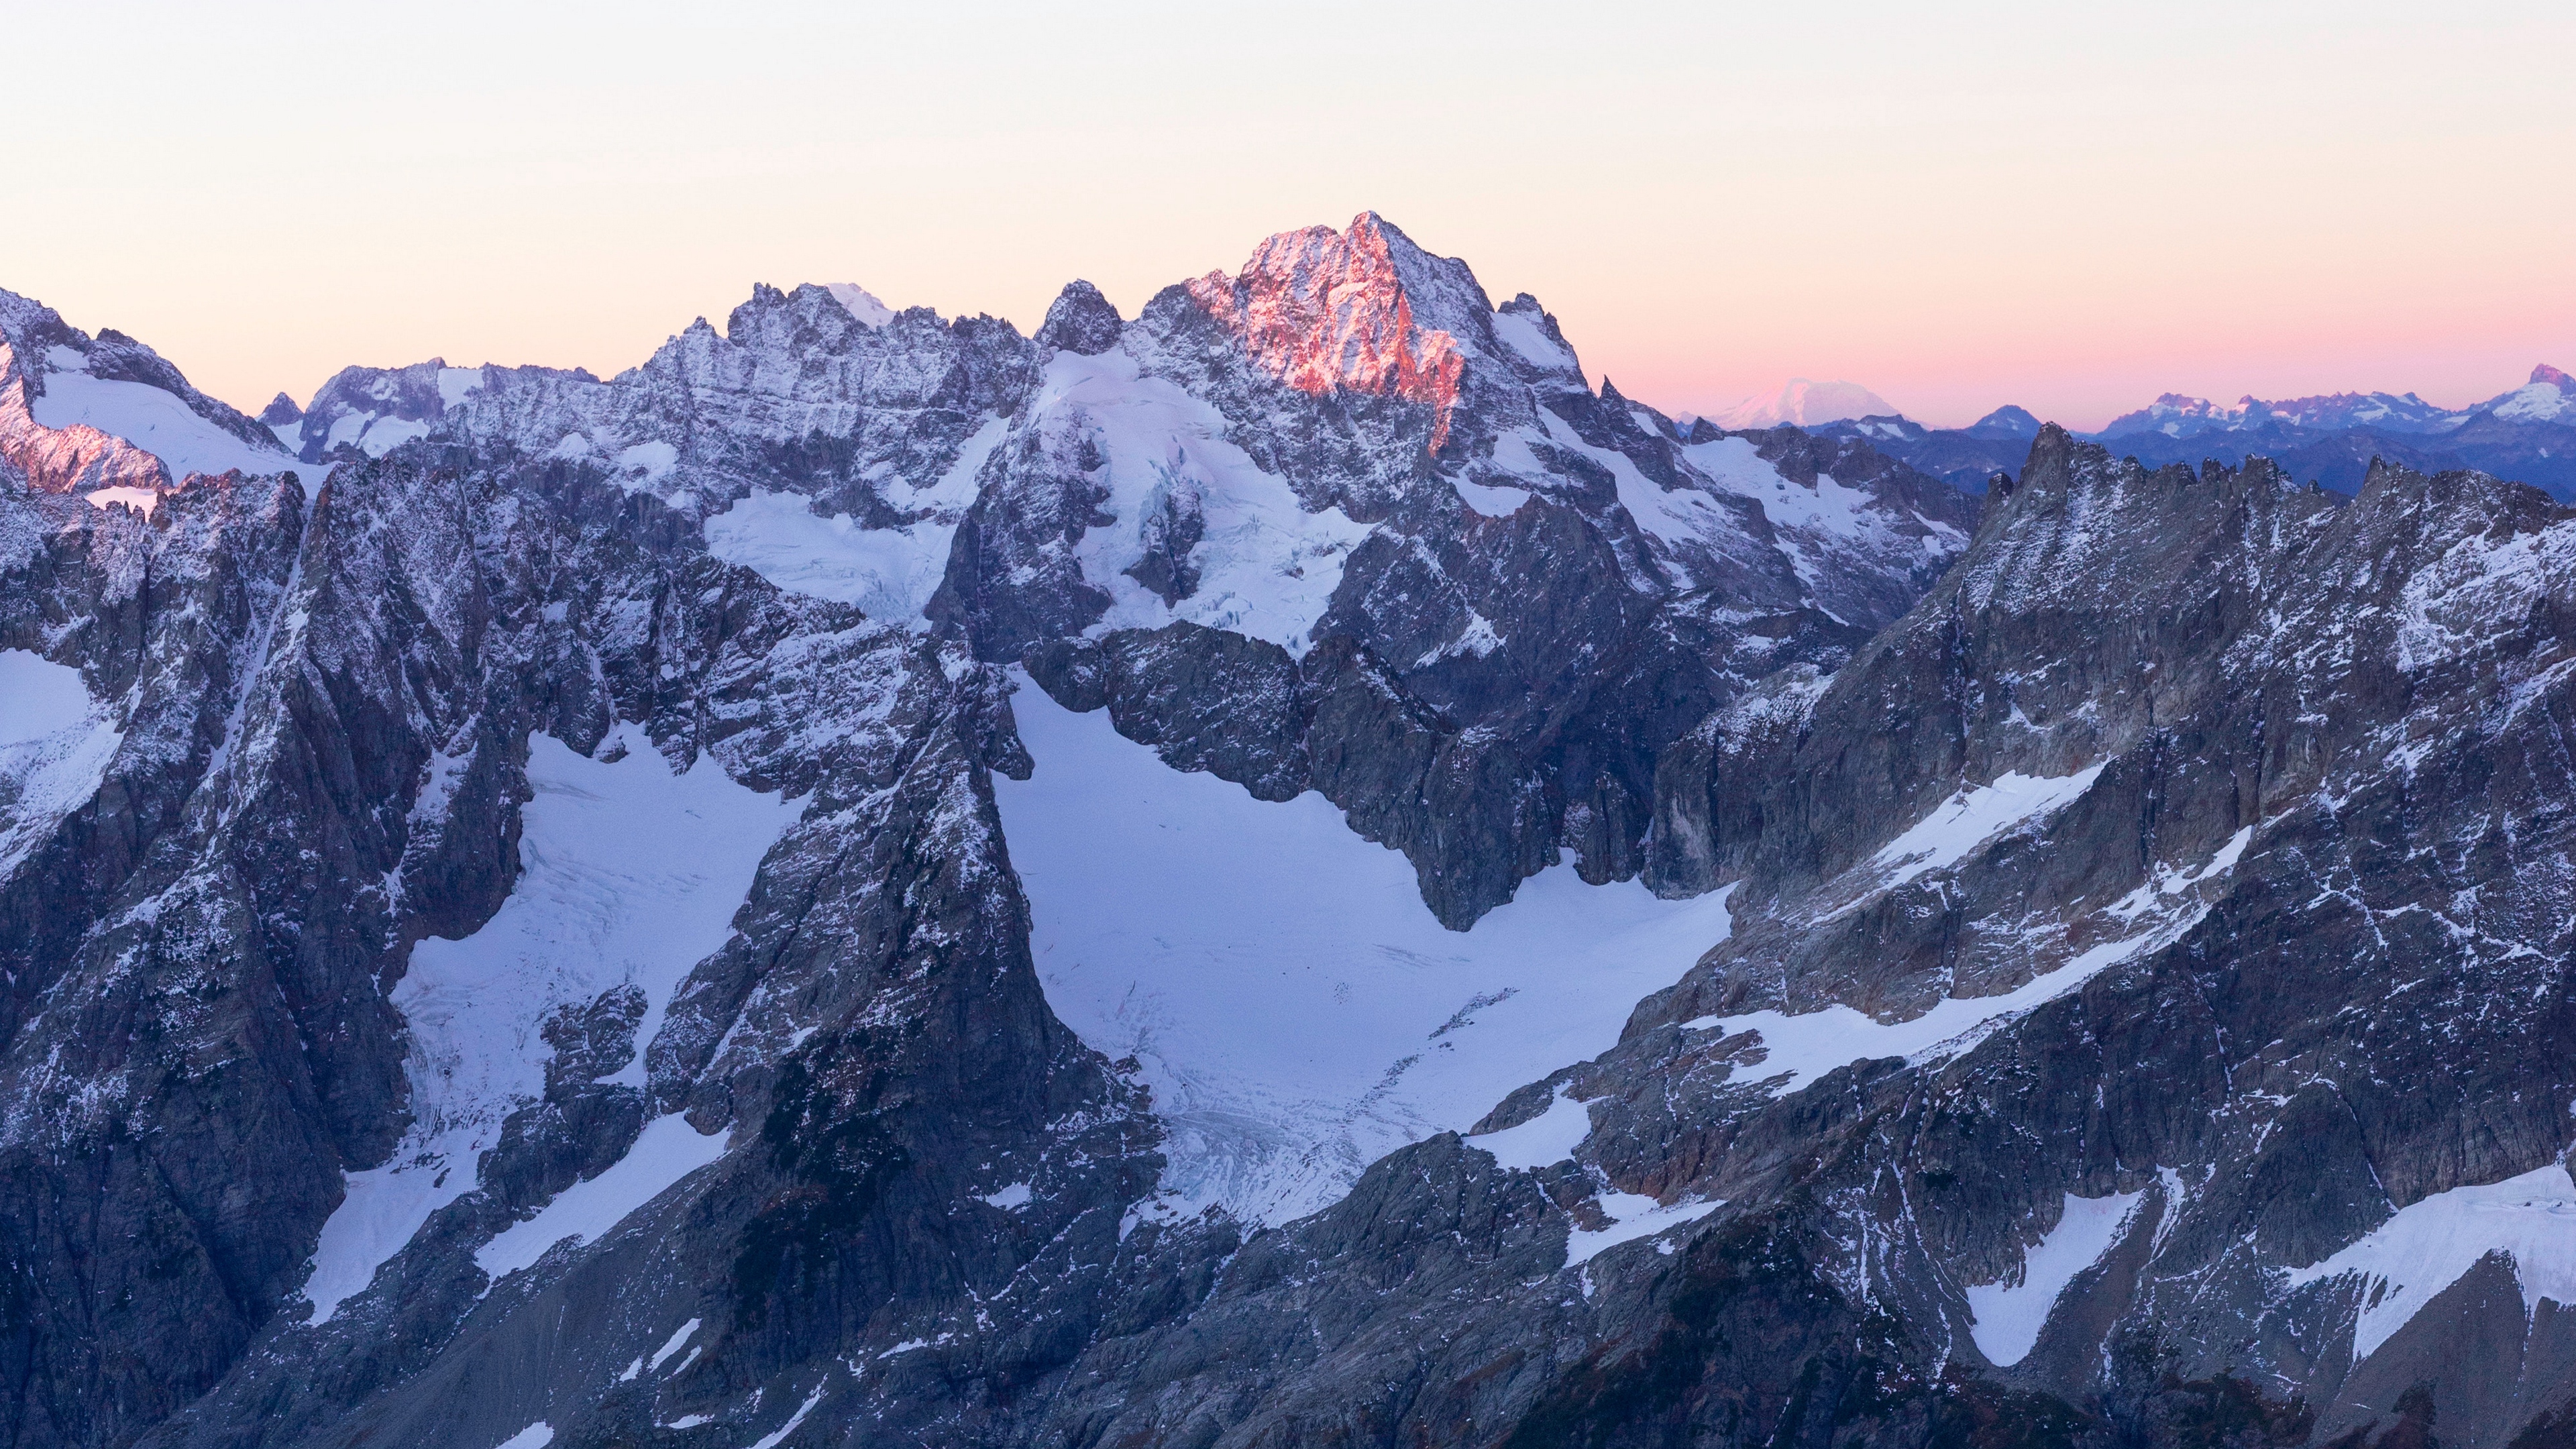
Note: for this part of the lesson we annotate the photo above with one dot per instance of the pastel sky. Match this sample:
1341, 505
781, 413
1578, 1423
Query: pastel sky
2073, 207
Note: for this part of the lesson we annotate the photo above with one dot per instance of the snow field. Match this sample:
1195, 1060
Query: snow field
1267, 567
1523, 333
38, 697
1297, 1010
157, 422
888, 572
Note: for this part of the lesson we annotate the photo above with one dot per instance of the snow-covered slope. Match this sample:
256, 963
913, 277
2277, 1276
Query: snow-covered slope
109, 418
630, 874
2011, 1312
2528, 1221
158, 422
1298, 1011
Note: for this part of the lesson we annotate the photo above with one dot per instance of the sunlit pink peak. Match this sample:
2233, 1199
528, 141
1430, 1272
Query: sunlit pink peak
2550, 397
861, 302
1360, 310
1803, 402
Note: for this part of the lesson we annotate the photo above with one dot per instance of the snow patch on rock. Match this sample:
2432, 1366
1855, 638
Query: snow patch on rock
2007, 1315
2430, 1243
143, 499
55, 746
778, 1436
1542, 1141
861, 302
1633, 1215
667, 1150
1975, 815
455, 382
1801, 1047
1521, 332
1488, 500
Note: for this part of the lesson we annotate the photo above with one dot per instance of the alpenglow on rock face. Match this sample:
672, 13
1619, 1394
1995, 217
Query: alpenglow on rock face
1281, 870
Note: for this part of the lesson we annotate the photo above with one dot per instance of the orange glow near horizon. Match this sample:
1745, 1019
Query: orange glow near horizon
1988, 204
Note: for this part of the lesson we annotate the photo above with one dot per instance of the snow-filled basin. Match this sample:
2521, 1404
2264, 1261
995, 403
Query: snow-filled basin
1297, 1010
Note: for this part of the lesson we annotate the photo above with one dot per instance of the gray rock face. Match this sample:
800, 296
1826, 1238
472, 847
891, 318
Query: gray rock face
2260, 679
2142, 1022
1080, 320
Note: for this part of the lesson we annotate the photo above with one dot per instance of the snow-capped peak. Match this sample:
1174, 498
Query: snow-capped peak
1359, 310
1804, 402
109, 417
2008, 421
863, 304
2550, 397
2176, 414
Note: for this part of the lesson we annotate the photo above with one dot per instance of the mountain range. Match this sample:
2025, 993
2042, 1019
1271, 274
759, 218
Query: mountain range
2528, 434
1278, 871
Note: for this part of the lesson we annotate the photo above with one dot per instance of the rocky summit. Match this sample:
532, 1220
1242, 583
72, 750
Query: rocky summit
1282, 871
